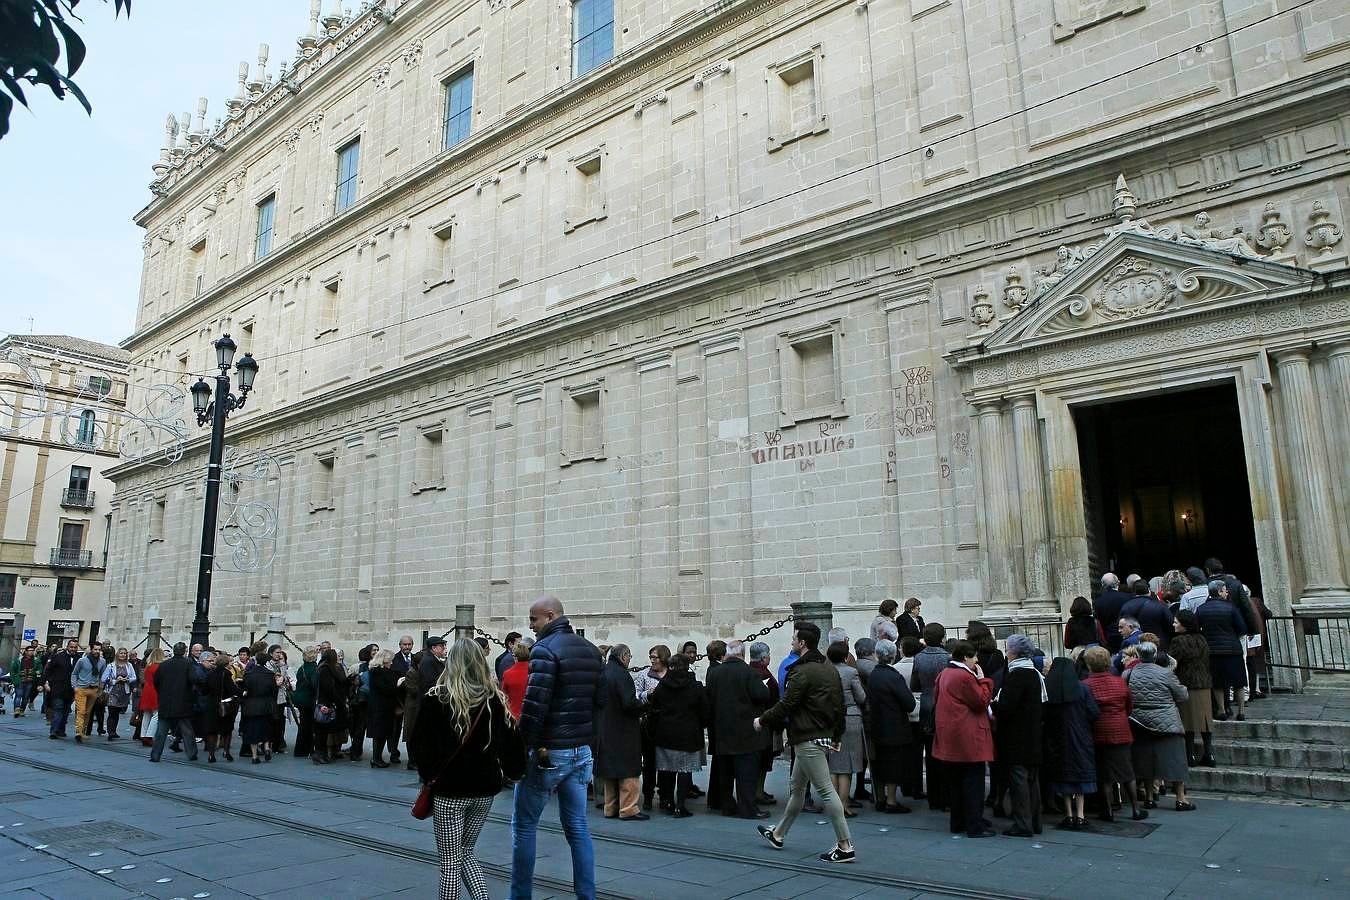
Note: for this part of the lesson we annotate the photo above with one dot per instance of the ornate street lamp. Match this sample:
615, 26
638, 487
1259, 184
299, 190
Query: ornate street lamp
215, 409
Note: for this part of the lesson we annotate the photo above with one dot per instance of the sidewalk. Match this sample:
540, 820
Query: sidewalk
1232, 848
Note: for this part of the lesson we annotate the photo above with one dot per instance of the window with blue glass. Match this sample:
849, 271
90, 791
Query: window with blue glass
458, 107
266, 214
87, 430
349, 164
592, 34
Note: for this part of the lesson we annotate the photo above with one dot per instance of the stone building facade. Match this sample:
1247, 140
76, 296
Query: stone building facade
61, 406
794, 300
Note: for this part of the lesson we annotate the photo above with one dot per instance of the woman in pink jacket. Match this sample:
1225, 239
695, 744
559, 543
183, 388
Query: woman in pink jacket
964, 739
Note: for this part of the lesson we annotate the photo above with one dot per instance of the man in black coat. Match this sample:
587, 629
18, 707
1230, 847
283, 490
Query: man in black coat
736, 696
618, 760
60, 690
508, 656
432, 664
173, 682
1018, 710
1107, 609
399, 665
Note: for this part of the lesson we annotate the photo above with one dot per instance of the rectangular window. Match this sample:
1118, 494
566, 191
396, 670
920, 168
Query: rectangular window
156, 531
809, 369
321, 485
430, 461
9, 586
583, 417
458, 107
65, 594
72, 536
349, 165
592, 34
79, 478
100, 386
266, 213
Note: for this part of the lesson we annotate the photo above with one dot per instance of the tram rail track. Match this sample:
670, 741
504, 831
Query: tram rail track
632, 841
362, 841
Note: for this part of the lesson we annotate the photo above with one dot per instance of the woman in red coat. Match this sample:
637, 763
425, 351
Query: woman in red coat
963, 738
1111, 732
149, 705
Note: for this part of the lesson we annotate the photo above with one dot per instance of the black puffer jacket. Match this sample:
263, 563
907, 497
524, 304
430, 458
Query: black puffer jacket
564, 690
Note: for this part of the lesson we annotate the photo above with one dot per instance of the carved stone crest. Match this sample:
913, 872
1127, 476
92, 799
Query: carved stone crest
1133, 287
981, 309
1274, 234
1015, 293
1321, 234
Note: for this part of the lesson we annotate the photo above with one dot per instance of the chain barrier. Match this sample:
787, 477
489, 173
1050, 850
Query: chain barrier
294, 644
492, 638
748, 639
137, 645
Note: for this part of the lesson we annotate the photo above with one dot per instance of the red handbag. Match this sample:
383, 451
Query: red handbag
424, 805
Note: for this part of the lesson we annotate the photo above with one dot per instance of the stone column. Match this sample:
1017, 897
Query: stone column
1308, 470
998, 520
1031, 491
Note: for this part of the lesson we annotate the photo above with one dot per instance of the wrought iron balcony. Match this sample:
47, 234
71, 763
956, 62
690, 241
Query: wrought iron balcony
76, 498
63, 558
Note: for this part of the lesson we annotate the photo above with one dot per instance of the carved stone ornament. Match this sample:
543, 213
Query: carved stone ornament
1274, 234
1124, 207
1322, 234
412, 54
981, 309
315, 121
380, 75
1015, 293
1134, 287
290, 139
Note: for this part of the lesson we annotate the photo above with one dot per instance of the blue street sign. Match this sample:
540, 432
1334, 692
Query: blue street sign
30, 634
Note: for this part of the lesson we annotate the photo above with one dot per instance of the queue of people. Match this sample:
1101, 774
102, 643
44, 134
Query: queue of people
978, 730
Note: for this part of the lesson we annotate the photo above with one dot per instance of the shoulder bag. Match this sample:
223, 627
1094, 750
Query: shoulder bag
423, 806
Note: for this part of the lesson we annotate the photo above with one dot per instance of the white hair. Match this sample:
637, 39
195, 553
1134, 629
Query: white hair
1133, 579
1155, 583
736, 648
1110, 581
836, 635
885, 652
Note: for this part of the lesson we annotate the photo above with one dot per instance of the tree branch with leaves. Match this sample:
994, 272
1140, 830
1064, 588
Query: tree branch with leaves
35, 36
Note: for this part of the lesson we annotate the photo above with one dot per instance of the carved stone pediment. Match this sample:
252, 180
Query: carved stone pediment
1133, 276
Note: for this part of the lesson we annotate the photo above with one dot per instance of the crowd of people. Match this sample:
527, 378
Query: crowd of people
905, 713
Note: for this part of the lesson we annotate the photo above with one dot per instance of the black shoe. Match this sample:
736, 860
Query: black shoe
228, 757
854, 804
1017, 832
695, 792
897, 809
210, 757
176, 747
767, 833
757, 814
838, 856
378, 764
257, 760
766, 800
814, 809
54, 737
680, 812
635, 817
114, 737
1139, 816
79, 739
1207, 761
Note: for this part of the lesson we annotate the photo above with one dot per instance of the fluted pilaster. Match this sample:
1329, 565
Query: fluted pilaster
1031, 493
999, 524
1309, 475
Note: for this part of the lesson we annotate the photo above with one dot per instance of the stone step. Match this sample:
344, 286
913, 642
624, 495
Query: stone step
1296, 784
1262, 753
1299, 730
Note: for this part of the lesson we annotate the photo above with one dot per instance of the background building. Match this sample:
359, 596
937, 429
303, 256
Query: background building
61, 400
687, 311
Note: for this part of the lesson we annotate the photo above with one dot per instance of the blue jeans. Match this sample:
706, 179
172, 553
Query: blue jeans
60, 712
568, 780
23, 695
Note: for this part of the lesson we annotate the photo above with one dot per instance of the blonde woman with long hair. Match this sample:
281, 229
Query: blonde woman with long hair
467, 748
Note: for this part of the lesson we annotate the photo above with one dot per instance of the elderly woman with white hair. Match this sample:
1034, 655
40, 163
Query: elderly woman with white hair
1019, 734
889, 702
1159, 750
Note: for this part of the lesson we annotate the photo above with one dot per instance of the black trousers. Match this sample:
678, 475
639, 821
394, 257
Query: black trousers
304, 735
937, 778
740, 771
357, 729
1024, 797
911, 766
718, 772
649, 778
965, 787
395, 732
675, 787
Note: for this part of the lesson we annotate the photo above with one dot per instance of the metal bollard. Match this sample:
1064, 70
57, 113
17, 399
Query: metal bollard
464, 620
152, 636
820, 612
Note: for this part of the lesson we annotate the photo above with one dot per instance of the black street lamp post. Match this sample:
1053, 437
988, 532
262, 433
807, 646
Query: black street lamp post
215, 410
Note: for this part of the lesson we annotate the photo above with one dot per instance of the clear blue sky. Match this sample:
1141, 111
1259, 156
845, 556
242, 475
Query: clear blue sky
70, 256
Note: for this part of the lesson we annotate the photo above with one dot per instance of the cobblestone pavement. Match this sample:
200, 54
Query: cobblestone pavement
100, 820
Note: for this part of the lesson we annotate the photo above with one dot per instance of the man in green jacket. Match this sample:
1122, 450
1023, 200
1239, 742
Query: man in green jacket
812, 707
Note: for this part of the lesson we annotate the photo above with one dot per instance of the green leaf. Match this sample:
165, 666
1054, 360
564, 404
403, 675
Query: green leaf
6, 105
79, 94
13, 87
75, 50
